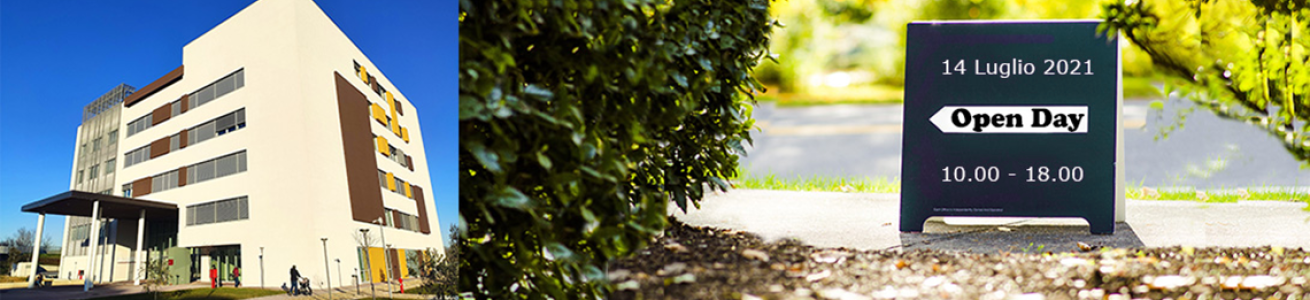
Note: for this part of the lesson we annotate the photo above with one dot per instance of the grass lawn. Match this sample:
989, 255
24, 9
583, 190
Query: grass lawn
199, 294
6, 278
874, 94
860, 184
1141, 87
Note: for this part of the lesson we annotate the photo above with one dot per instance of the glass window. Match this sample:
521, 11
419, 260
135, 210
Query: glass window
224, 86
226, 165
241, 78
241, 161
157, 184
222, 124
177, 108
191, 215
204, 95
95, 145
79, 176
241, 117
191, 174
110, 165
205, 213
244, 203
95, 171
113, 137
174, 142
204, 171
206, 132
127, 190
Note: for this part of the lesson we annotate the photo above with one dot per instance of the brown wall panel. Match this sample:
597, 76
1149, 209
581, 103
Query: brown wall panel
159, 147
357, 144
409, 161
186, 105
182, 138
141, 187
422, 210
181, 176
162, 113
395, 262
153, 87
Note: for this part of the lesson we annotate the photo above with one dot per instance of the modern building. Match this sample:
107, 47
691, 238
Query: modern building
275, 143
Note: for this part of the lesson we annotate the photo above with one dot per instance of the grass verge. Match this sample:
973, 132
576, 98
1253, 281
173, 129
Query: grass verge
862, 184
873, 94
1141, 87
199, 294
850, 184
7, 278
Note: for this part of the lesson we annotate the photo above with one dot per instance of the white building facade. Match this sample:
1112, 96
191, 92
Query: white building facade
277, 140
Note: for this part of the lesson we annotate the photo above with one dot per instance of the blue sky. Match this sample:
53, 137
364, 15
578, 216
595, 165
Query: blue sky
57, 56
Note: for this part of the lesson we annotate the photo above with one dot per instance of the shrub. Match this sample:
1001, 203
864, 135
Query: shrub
579, 121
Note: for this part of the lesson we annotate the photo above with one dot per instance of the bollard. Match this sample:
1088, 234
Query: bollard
402, 285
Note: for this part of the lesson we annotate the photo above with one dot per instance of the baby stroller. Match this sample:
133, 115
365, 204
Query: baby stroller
304, 286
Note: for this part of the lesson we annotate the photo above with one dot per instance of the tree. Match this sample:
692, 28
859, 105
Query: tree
1242, 60
20, 247
156, 271
440, 269
581, 121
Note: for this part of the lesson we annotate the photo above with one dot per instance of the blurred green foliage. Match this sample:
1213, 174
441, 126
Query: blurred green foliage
580, 121
1243, 60
867, 37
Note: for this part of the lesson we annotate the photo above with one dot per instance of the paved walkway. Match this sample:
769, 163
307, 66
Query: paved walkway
124, 288
871, 221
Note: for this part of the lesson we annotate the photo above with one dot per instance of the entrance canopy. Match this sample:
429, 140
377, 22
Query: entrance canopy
78, 203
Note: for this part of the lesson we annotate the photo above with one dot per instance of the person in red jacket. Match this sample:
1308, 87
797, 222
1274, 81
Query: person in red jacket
236, 276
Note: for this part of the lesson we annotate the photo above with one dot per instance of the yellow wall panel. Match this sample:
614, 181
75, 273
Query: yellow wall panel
404, 134
408, 192
377, 263
363, 74
395, 124
383, 146
391, 181
379, 113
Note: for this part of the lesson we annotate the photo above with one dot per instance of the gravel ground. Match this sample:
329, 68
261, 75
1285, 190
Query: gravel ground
691, 262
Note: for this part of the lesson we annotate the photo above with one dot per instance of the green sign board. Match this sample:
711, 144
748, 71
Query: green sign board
1016, 119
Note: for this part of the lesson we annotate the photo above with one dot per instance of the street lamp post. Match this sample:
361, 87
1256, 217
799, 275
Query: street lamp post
340, 277
261, 267
386, 254
387, 251
327, 268
368, 262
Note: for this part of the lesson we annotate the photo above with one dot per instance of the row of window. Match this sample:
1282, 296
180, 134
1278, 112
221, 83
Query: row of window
217, 89
391, 152
402, 220
95, 170
214, 90
196, 173
200, 133
218, 211
395, 184
94, 145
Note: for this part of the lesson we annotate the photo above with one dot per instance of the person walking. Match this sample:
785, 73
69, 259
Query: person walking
236, 276
295, 275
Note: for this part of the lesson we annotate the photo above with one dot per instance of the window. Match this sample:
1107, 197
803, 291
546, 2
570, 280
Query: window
218, 167
382, 178
163, 182
177, 108
95, 171
113, 137
95, 145
223, 86
218, 211
84, 149
109, 166
79, 176
140, 124
137, 156
173, 142
127, 190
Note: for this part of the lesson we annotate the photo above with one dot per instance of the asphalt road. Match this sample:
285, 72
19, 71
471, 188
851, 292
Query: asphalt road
865, 140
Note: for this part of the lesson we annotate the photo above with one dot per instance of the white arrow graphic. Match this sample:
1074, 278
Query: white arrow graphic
1011, 119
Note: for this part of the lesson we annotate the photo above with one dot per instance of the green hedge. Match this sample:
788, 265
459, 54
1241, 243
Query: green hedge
580, 120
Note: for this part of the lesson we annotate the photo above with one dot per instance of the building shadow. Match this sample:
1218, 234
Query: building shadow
1015, 238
